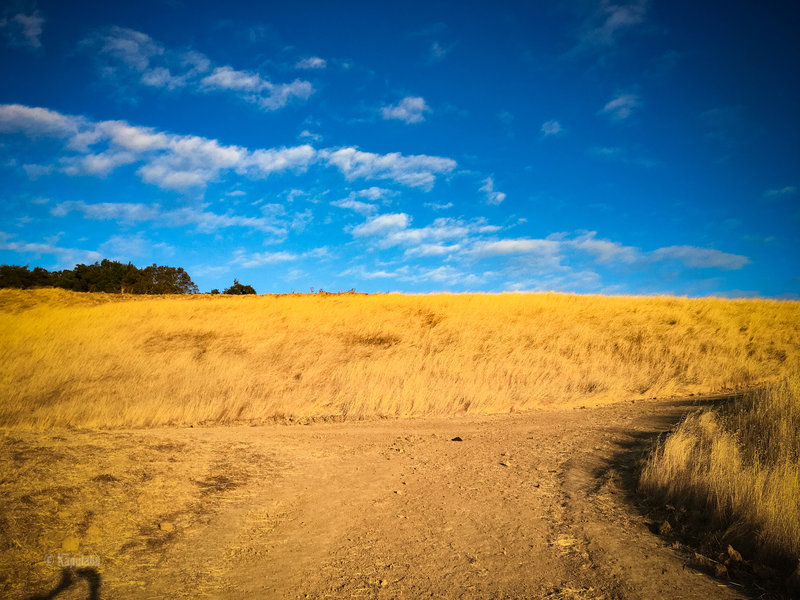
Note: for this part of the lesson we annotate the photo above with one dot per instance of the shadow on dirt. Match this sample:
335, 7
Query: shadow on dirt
71, 577
687, 529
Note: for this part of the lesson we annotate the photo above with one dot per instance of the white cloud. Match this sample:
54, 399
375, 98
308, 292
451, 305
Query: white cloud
382, 224
551, 127
109, 211
605, 251
445, 274
352, 202
169, 161
364, 208
257, 259
441, 229
35, 122
98, 164
181, 162
414, 171
605, 25
264, 162
65, 256
361, 273
410, 109
439, 205
255, 89
621, 106
494, 248
132, 48
301, 220
438, 52
783, 192
492, 196
204, 221
125, 247
306, 134
374, 193
424, 250
34, 171
23, 29
123, 53
228, 78
394, 230
312, 62
701, 258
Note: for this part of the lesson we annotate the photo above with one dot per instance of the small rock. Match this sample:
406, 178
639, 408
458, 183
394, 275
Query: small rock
665, 528
383, 583
166, 526
456, 439
734, 555
70, 544
505, 463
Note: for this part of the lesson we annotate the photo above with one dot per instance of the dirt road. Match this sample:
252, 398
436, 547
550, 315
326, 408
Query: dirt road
530, 505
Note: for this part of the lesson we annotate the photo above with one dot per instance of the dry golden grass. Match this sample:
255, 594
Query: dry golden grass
88, 360
741, 463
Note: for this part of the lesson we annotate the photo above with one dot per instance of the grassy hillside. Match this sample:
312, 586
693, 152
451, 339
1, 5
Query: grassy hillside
72, 359
740, 464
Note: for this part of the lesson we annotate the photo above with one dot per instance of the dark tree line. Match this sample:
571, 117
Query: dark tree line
104, 276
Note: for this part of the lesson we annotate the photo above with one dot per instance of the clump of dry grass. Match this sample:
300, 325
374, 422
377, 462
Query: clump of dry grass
94, 360
740, 463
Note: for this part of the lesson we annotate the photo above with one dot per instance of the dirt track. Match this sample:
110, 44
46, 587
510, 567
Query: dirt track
526, 506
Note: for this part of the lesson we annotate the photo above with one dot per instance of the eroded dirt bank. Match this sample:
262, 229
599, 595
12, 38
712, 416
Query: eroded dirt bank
525, 506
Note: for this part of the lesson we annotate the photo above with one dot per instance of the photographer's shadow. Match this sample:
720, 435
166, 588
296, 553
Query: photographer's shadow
71, 577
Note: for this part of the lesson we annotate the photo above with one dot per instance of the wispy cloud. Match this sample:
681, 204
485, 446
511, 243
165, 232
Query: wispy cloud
505, 247
37, 122
136, 57
24, 30
603, 26
382, 224
701, 258
418, 170
411, 109
394, 229
604, 251
439, 205
181, 162
623, 155
64, 256
352, 202
255, 89
778, 193
312, 62
492, 196
437, 51
551, 127
204, 221
477, 240
621, 106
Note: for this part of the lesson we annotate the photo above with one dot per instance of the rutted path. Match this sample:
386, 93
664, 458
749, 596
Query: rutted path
525, 506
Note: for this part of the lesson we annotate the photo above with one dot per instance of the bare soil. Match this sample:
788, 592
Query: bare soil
535, 505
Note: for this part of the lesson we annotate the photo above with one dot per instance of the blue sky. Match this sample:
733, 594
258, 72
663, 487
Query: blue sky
591, 146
